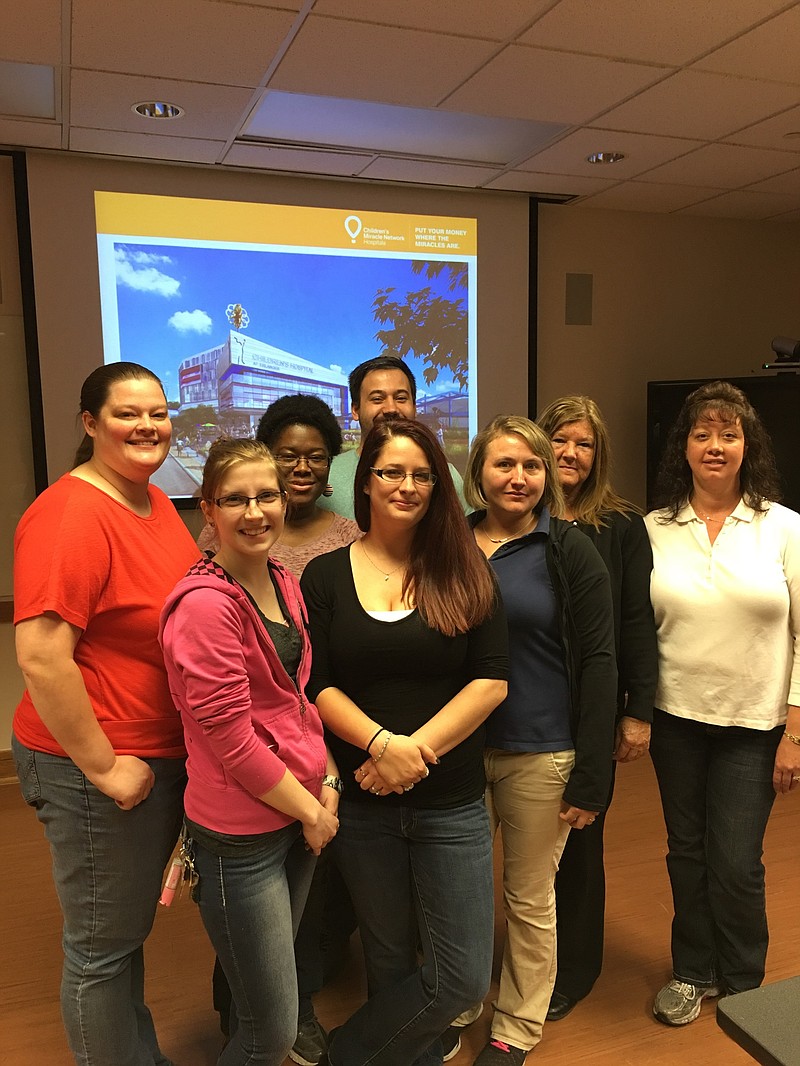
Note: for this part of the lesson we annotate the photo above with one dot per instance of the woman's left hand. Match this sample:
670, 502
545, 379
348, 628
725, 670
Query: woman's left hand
577, 817
369, 779
632, 739
786, 773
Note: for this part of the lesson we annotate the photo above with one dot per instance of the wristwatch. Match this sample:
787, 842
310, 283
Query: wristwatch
334, 782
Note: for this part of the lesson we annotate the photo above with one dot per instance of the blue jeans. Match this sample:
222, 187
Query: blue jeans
251, 907
415, 877
107, 867
717, 794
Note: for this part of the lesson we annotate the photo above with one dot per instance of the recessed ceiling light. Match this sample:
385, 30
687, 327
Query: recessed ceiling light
605, 157
156, 109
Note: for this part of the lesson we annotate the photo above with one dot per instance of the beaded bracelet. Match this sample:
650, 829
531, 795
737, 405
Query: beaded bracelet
795, 739
379, 756
373, 740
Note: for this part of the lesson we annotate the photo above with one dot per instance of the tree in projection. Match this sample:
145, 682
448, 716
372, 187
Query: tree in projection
430, 325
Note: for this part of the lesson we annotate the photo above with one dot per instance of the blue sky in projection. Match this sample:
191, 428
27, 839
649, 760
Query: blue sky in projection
172, 299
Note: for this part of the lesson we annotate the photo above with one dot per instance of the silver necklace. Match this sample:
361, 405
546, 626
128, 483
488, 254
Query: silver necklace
382, 572
504, 540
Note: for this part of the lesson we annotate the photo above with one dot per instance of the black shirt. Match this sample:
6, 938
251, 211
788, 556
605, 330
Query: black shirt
401, 674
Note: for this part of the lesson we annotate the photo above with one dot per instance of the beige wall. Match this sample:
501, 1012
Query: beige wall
15, 440
673, 297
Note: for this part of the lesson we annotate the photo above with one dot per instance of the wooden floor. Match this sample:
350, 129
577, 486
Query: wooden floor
612, 1026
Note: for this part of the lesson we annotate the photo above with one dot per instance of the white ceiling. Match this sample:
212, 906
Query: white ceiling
702, 96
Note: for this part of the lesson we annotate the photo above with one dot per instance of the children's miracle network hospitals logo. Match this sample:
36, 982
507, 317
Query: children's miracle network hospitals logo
353, 226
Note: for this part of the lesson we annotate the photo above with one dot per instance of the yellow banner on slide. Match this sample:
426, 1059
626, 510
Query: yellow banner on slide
182, 218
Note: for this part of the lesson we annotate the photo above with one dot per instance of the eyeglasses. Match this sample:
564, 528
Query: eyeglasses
395, 475
237, 502
292, 461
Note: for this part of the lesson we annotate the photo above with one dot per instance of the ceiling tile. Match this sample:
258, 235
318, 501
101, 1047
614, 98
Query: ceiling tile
15, 133
655, 31
104, 101
496, 21
634, 196
788, 183
144, 146
641, 153
770, 51
17, 37
523, 82
788, 216
27, 90
372, 62
693, 103
196, 40
742, 204
302, 160
527, 181
725, 165
281, 5
427, 173
781, 131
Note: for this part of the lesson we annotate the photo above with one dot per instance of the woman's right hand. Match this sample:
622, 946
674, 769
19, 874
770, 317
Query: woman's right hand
321, 830
128, 782
403, 761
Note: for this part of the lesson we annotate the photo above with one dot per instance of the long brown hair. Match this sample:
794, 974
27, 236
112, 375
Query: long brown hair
447, 574
595, 498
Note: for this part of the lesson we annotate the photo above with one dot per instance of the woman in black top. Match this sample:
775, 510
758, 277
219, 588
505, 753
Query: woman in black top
580, 441
410, 656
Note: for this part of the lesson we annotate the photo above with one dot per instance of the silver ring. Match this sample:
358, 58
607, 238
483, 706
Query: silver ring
796, 777
374, 791
408, 788
427, 772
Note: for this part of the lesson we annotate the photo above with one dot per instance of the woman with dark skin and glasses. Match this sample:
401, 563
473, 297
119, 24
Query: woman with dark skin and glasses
726, 731
304, 436
580, 440
410, 657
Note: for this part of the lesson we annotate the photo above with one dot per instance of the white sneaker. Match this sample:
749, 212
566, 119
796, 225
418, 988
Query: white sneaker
678, 1002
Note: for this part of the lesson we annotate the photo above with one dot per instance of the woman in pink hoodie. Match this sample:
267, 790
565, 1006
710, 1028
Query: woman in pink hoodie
263, 794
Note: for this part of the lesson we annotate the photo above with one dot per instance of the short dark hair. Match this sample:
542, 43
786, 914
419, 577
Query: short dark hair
380, 362
758, 477
451, 581
94, 395
300, 409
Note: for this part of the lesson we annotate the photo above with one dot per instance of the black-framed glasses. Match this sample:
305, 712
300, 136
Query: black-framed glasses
395, 475
317, 460
239, 502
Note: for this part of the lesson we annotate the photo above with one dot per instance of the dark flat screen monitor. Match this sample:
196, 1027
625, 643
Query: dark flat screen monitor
776, 397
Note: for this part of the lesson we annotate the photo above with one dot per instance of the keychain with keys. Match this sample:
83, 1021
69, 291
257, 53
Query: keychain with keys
181, 870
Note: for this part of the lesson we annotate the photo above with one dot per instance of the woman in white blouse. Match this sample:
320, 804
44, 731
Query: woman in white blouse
726, 730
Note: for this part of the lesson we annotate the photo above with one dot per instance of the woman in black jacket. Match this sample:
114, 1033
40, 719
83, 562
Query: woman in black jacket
548, 754
579, 436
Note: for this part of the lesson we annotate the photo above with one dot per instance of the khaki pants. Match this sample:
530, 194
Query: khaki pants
523, 795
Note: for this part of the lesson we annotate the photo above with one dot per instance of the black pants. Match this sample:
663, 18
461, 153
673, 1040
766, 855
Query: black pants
580, 907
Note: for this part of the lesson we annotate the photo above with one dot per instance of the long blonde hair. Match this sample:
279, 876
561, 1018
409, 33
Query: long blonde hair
596, 498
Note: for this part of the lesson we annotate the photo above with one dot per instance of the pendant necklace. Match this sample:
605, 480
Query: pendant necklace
375, 565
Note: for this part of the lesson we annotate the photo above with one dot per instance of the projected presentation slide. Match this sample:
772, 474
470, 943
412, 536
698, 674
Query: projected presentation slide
234, 304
